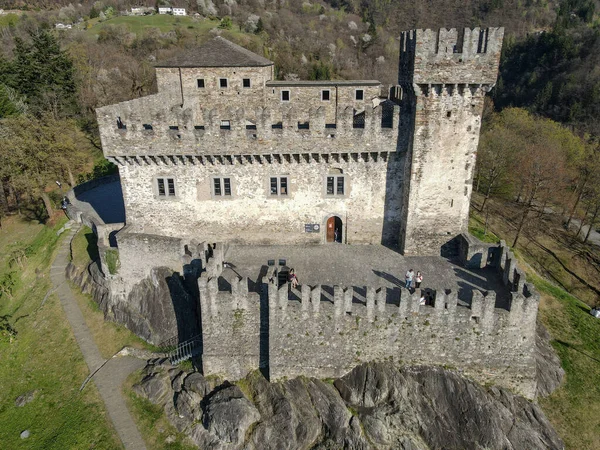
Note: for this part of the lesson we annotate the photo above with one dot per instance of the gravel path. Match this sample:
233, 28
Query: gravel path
110, 377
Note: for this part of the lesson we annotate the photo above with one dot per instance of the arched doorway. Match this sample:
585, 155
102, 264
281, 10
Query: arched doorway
334, 229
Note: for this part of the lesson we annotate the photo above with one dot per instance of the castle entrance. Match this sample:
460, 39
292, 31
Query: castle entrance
334, 229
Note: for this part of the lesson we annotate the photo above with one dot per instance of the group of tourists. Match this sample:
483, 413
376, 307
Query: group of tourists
413, 281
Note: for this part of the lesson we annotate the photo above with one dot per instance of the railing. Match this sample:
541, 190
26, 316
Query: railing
186, 350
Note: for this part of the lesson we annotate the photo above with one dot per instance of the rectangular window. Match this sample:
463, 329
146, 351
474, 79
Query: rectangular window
340, 186
223, 83
166, 187
335, 185
173, 128
200, 82
246, 82
359, 94
285, 96
225, 125
147, 126
304, 125
279, 186
222, 187
325, 95
330, 185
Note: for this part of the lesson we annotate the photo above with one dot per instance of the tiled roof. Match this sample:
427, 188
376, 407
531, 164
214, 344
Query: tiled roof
218, 52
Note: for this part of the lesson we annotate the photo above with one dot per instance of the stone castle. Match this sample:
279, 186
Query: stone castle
223, 153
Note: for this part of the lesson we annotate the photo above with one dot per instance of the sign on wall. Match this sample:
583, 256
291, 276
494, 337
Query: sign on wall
312, 227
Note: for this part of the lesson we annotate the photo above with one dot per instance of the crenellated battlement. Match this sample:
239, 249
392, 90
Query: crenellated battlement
324, 331
450, 56
137, 129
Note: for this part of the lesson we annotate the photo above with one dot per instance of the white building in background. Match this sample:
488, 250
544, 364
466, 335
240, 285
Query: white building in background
174, 11
141, 10
63, 26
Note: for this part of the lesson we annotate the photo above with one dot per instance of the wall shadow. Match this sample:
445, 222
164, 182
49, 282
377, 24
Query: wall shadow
185, 300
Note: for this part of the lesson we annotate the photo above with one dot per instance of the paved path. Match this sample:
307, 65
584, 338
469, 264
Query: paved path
110, 378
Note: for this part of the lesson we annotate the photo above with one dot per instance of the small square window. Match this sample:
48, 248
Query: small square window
246, 82
359, 94
200, 82
325, 95
223, 83
285, 96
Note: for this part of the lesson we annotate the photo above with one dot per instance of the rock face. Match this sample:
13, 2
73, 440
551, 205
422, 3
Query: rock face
156, 306
549, 372
375, 406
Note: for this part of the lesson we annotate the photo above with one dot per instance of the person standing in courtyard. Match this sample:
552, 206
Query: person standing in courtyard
409, 278
418, 279
293, 278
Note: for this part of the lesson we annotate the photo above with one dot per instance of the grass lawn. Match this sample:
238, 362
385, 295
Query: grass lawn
110, 337
43, 357
574, 408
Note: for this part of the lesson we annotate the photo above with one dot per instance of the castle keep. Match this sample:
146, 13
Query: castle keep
225, 162
225, 152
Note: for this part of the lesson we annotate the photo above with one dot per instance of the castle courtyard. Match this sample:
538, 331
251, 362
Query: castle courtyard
363, 265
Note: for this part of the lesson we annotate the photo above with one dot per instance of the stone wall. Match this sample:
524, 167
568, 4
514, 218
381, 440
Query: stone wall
326, 337
369, 209
444, 76
230, 327
468, 56
199, 131
439, 165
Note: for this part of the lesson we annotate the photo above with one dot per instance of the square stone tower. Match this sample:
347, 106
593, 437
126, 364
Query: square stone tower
443, 77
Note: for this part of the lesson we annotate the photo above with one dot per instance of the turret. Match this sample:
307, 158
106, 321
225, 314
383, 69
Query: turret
444, 76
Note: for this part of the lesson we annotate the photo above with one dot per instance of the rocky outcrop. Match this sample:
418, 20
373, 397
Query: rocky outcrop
157, 308
375, 406
549, 373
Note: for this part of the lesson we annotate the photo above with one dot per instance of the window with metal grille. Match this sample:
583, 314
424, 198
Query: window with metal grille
325, 95
335, 185
223, 83
246, 82
200, 82
222, 187
166, 187
278, 186
359, 94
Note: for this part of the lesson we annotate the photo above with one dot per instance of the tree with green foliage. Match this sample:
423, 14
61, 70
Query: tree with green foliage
11, 104
226, 23
43, 74
542, 165
38, 151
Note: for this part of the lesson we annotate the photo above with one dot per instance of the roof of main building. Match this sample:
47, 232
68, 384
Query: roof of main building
218, 52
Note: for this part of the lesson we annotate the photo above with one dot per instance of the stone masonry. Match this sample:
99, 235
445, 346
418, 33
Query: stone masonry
391, 169
317, 337
224, 153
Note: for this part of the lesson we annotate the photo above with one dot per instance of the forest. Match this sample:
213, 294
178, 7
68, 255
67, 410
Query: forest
540, 139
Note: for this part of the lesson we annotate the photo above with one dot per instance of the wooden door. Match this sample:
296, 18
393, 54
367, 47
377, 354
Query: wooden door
331, 229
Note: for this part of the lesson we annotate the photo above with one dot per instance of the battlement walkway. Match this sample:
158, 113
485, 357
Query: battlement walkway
365, 265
